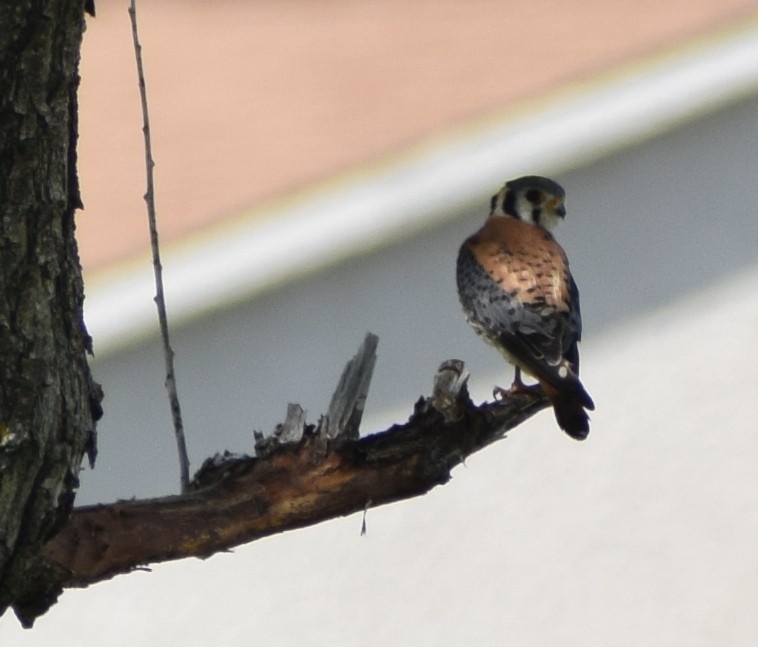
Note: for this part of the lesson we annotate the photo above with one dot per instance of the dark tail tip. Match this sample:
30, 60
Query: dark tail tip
569, 403
572, 417
587, 402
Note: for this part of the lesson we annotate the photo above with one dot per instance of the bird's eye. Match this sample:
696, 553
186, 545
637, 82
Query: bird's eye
534, 196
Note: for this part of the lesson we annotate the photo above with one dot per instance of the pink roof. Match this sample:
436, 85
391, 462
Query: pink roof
250, 100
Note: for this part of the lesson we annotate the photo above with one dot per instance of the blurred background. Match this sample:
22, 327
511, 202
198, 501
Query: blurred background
318, 165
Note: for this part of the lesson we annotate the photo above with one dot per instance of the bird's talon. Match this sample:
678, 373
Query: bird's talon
500, 394
517, 388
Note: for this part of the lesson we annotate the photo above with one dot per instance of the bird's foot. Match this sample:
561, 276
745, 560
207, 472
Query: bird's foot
517, 388
499, 393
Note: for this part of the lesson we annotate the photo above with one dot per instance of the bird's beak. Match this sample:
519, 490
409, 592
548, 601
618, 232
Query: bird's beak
560, 210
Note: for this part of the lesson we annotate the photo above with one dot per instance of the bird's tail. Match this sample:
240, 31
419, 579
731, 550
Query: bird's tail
569, 404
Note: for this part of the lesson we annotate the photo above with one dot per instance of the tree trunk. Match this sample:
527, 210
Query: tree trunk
48, 401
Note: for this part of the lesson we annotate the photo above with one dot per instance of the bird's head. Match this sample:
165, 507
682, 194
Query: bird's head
533, 199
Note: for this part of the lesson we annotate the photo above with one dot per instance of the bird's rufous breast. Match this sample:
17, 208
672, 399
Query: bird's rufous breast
524, 260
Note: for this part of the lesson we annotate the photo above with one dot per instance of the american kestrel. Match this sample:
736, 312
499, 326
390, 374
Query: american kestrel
517, 292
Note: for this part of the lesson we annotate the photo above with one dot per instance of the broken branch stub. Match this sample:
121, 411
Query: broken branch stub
450, 386
343, 419
288, 432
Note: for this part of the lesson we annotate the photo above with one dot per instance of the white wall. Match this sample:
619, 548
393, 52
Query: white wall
644, 227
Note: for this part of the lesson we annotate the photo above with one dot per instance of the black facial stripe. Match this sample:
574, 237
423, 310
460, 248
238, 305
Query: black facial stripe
493, 203
509, 204
536, 215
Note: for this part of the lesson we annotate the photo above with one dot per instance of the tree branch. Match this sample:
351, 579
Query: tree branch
303, 474
160, 300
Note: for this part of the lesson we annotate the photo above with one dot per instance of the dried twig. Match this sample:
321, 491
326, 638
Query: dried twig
173, 396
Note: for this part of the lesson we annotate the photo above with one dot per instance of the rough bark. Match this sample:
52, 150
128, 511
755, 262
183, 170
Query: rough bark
48, 401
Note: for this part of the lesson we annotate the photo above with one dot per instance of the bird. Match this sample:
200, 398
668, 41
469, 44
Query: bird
517, 292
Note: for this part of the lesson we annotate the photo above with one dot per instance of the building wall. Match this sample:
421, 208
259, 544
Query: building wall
645, 227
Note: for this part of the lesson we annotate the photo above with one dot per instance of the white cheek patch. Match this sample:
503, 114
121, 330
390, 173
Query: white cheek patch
549, 219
